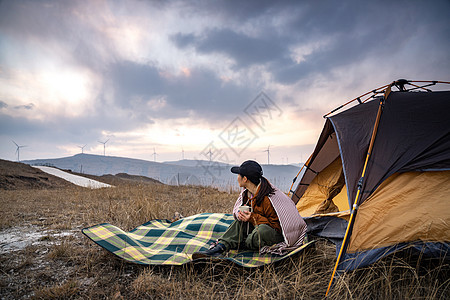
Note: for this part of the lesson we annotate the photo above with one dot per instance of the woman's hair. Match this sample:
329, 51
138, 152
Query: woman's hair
264, 190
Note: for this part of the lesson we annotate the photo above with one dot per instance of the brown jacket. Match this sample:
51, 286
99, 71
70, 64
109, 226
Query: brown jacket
264, 214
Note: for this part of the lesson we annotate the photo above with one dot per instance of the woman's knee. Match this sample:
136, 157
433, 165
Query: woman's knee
262, 235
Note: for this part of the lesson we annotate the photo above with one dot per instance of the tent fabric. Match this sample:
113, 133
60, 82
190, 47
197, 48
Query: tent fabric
326, 152
353, 130
396, 213
413, 134
416, 121
329, 227
406, 207
405, 192
324, 185
433, 250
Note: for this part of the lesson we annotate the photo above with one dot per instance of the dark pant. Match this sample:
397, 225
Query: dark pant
243, 234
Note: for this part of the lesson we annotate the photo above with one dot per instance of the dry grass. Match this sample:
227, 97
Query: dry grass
65, 290
72, 267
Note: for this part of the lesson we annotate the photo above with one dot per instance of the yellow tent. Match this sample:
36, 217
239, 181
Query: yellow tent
378, 180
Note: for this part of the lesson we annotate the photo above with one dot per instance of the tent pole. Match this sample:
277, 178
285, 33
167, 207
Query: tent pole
360, 183
381, 88
295, 178
420, 87
363, 95
431, 81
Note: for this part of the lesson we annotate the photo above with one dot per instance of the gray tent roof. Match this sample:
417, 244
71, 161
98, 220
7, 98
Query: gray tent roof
413, 135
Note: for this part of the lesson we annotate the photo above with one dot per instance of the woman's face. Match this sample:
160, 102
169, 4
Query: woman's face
241, 180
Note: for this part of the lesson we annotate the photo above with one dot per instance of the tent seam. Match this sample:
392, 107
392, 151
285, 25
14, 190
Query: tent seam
342, 161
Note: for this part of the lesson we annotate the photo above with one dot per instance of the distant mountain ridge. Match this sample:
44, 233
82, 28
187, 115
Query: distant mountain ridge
195, 172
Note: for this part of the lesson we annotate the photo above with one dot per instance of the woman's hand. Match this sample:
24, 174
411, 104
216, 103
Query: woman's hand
244, 216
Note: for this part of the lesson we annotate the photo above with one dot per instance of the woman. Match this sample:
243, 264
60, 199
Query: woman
273, 223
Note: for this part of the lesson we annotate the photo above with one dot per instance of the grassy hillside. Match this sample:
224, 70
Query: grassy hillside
63, 264
15, 176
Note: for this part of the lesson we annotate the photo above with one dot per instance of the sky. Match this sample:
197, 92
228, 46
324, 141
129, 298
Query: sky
221, 80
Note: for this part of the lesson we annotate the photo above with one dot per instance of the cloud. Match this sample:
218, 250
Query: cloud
73, 33
268, 34
362, 31
197, 92
126, 68
28, 106
183, 40
243, 49
238, 13
130, 79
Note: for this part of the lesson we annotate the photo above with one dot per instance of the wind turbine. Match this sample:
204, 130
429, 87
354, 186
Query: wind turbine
210, 154
268, 154
18, 150
104, 146
154, 154
82, 148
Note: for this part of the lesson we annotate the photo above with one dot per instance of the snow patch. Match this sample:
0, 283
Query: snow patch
75, 179
18, 238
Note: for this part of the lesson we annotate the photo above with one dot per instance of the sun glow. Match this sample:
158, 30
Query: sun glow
65, 86
49, 91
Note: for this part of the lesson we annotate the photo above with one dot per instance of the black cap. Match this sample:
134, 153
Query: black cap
249, 168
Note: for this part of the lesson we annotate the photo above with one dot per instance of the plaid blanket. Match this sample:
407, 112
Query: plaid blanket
160, 242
